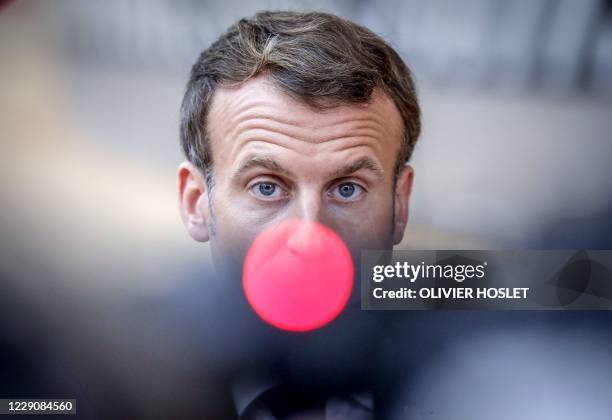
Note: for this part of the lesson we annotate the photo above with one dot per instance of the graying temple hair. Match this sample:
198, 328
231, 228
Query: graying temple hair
317, 58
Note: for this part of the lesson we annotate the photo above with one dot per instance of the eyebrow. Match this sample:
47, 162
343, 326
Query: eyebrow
363, 163
266, 162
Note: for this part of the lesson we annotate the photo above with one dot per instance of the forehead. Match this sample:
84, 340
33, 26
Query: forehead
258, 110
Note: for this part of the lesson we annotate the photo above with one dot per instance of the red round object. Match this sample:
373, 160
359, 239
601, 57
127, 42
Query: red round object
298, 275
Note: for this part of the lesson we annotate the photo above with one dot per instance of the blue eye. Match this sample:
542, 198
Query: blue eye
266, 190
347, 191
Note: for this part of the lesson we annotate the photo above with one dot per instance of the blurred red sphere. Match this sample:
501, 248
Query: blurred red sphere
298, 275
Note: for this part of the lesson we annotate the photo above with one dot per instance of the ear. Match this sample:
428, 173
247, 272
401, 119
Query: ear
403, 189
193, 201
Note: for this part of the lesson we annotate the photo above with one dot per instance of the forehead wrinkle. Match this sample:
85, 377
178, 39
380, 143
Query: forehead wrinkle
364, 127
336, 145
348, 126
241, 117
264, 129
230, 106
263, 93
313, 150
256, 135
261, 109
263, 123
244, 108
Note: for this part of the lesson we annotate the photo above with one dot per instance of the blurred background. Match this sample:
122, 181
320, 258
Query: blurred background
516, 152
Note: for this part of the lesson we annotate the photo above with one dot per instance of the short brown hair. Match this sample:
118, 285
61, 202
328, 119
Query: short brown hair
318, 58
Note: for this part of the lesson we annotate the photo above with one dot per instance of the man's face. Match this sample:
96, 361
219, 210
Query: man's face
275, 158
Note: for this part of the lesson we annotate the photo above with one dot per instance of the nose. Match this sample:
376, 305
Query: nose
308, 206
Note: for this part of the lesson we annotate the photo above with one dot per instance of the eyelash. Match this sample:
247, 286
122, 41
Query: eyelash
346, 201
283, 189
279, 185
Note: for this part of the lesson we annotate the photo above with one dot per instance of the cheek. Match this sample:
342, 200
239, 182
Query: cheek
242, 218
237, 223
368, 226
